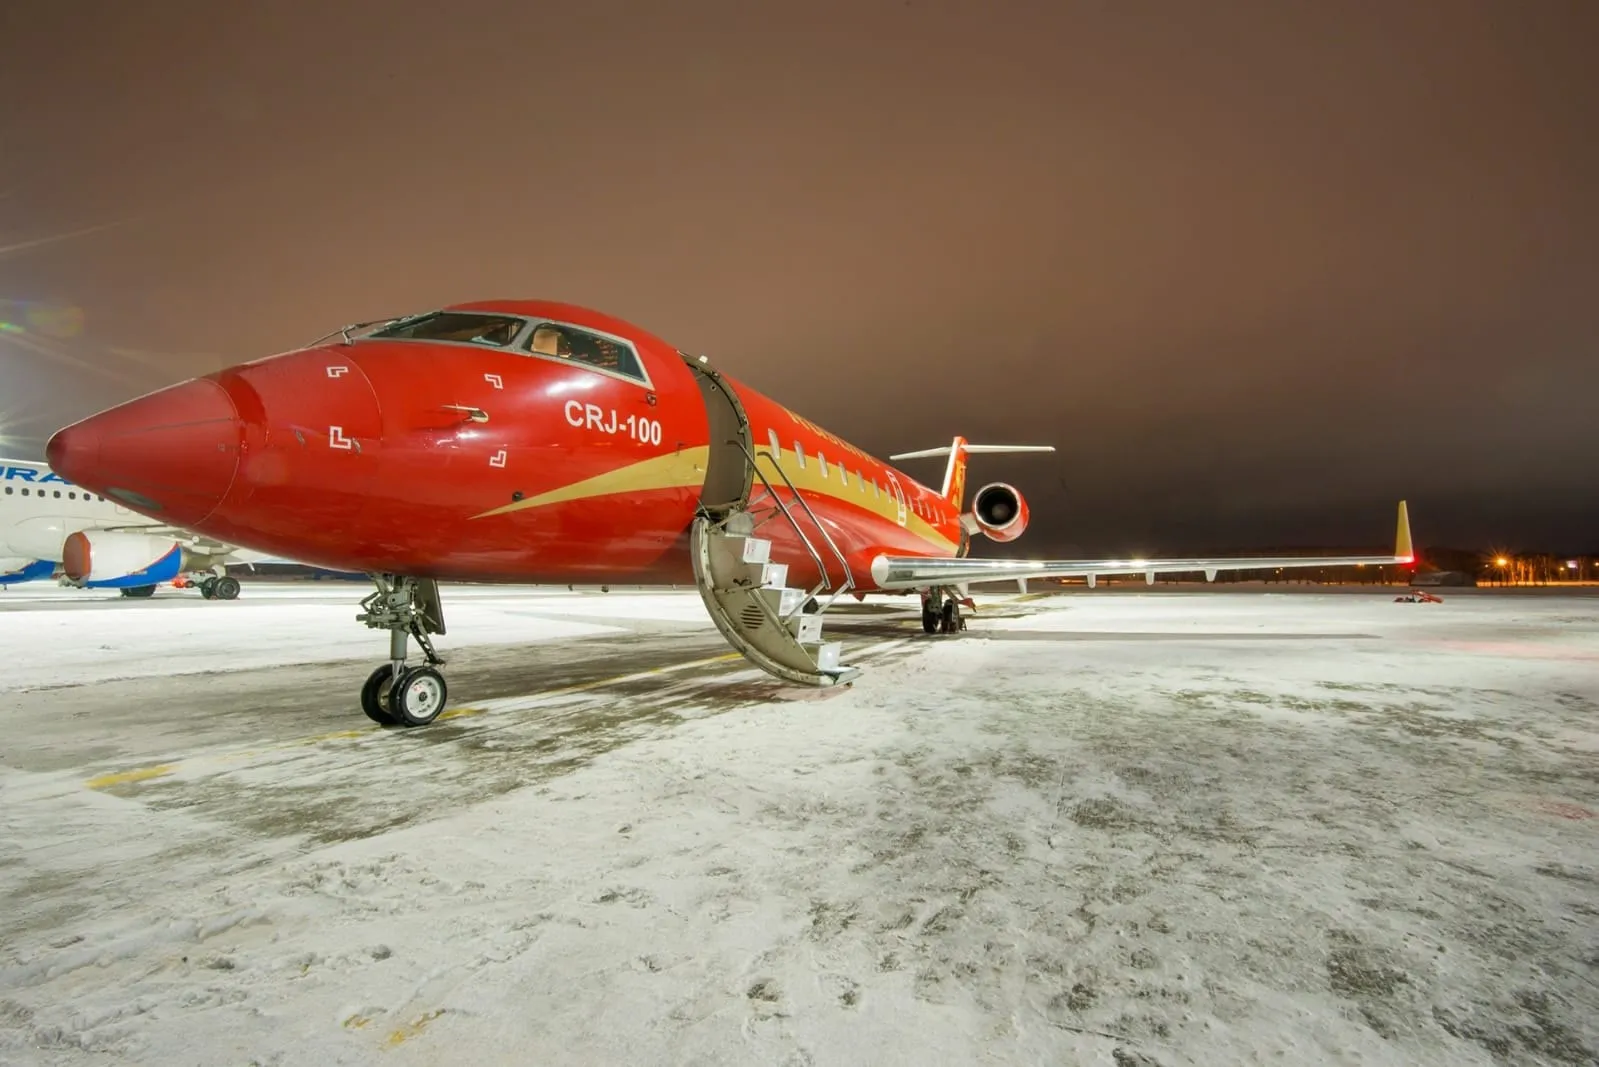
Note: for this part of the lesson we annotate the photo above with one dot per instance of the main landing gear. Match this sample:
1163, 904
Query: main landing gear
397, 694
223, 588
941, 612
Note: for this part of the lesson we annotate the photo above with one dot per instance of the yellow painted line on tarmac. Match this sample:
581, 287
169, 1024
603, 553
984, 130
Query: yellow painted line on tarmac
142, 774
404, 1033
456, 713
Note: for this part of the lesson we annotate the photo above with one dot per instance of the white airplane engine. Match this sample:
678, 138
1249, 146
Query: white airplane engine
108, 559
999, 512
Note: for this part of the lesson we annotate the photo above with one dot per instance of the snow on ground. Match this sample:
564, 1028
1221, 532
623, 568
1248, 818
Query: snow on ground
279, 623
1128, 830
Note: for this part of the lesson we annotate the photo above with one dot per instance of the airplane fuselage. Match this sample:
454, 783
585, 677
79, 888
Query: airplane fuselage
459, 460
39, 509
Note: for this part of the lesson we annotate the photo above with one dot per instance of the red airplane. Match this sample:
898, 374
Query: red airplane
535, 442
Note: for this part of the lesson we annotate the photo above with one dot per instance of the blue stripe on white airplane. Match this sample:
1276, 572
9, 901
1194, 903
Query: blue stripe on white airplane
164, 569
37, 571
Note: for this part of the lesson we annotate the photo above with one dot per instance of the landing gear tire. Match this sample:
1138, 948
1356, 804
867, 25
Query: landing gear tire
208, 589
950, 621
397, 694
418, 697
375, 696
226, 589
941, 613
139, 591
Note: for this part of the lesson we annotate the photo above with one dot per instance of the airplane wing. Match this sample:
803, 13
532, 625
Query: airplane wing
920, 572
199, 543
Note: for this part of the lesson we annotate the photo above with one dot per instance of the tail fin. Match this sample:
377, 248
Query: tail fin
954, 491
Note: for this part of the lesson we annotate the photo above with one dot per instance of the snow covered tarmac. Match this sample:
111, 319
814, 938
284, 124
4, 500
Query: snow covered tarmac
1097, 828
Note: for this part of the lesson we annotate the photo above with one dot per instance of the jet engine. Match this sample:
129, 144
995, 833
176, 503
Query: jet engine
999, 511
119, 560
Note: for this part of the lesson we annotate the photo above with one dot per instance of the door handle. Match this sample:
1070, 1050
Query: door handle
472, 414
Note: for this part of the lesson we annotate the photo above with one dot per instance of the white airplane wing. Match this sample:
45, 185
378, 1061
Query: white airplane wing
920, 572
198, 543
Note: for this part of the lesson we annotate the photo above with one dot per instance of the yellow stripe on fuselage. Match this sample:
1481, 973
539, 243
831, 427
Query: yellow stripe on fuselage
686, 469
675, 470
810, 481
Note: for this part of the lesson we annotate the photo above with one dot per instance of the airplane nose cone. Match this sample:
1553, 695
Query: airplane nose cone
171, 454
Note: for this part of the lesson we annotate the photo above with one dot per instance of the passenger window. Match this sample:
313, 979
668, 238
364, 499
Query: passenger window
602, 353
777, 449
799, 453
496, 331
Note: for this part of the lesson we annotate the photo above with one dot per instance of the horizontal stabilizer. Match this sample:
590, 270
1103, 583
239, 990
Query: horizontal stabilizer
944, 450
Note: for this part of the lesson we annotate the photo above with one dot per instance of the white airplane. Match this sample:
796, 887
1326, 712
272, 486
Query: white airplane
50, 527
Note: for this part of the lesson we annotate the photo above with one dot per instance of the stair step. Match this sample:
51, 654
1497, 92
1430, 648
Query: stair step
782, 599
807, 629
826, 654
744, 549
738, 561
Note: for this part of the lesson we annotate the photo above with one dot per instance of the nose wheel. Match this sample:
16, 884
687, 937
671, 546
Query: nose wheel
397, 694
416, 701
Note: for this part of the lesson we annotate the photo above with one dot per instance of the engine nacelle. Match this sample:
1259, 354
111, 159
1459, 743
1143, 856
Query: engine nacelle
122, 560
999, 512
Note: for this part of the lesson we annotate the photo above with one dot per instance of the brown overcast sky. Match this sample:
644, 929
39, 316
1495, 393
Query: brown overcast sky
1258, 269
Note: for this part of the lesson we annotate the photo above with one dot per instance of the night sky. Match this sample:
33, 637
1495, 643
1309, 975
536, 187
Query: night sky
1257, 269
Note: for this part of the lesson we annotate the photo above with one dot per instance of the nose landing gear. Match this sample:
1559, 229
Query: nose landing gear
397, 694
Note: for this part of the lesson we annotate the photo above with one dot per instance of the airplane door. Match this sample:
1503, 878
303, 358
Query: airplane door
729, 476
899, 497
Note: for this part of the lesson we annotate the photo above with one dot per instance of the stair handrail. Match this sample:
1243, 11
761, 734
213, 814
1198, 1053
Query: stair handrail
849, 575
827, 579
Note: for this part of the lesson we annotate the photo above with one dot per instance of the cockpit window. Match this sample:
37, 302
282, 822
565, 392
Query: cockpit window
566, 342
467, 327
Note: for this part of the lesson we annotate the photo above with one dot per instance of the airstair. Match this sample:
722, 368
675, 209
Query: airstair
775, 626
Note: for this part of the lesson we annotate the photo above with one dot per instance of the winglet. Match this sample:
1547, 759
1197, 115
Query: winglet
1404, 551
